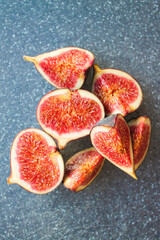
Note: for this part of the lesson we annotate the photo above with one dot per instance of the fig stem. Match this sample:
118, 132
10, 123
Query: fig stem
11, 180
29, 59
96, 68
62, 143
133, 175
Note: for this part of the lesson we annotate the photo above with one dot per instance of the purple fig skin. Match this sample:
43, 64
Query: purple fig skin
108, 121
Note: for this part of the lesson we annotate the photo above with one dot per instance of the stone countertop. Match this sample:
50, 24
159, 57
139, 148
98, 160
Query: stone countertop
121, 34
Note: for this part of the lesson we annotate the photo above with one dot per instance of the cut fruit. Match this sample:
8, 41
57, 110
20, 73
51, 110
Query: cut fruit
118, 91
140, 129
65, 67
36, 165
67, 115
111, 138
82, 168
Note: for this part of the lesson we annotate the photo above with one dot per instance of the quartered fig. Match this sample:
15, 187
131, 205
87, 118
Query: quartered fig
36, 165
118, 91
140, 129
82, 168
65, 67
67, 115
111, 138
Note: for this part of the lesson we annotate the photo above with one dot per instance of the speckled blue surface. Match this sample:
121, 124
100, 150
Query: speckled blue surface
121, 34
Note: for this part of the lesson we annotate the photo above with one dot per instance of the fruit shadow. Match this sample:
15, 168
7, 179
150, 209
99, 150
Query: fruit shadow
75, 146
88, 79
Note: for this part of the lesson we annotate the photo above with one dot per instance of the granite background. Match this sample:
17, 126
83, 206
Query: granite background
121, 34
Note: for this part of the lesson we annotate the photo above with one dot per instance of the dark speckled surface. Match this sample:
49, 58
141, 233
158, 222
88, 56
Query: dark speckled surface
121, 34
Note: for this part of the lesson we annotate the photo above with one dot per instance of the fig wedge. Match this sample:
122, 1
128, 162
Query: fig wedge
65, 67
67, 115
140, 129
36, 165
82, 168
118, 91
111, 138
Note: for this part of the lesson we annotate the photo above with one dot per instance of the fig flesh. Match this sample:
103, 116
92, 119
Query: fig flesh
111, 138
67, 115
118, 91
65, 67
82, 168
36, 165
140, 129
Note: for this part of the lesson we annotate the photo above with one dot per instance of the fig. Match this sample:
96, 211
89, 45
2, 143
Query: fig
111, 138
118, 91
65, 67
36, 165
82, 168
140, 129
67, 115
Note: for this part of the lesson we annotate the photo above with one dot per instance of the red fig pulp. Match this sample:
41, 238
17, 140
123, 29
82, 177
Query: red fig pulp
64, 68
67, 115
36, 165
82, 168
118, 91
111, 138
140, 129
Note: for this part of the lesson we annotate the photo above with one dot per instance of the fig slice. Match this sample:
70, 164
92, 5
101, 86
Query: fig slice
36, 165
118, 91
65, 67
111, 138
67, 115
140, 129
82, 168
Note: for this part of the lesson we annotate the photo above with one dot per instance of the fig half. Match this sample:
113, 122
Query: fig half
82, 168
118, 91
67, 115
36, 165
65, 67
111, 138
140, 129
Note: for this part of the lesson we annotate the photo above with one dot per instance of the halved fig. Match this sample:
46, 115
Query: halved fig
36, 165
111, 138
65, 67
118, 91
140, 129
67, 115
82, 168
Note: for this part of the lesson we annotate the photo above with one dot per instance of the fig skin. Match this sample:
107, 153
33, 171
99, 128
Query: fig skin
140, 130
118, 91
33, 162
111, 138
64, 71
82, 168
63, 120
